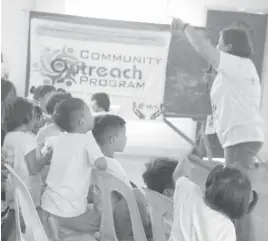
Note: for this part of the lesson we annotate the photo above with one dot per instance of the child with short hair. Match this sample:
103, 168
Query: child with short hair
21, 150
210, 216
69, 177
51, 129
100, 103
110, 134
157, 177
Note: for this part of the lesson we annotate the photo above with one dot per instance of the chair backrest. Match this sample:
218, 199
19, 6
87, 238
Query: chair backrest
24, 205
159, 206
108, 184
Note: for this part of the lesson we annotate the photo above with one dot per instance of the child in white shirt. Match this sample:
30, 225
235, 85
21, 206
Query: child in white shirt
21, 150
110, 133
210, 216
51, 129
75, 153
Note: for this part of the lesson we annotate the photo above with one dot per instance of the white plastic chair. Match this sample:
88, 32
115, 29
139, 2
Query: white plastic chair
24, 205
159, 206
107, 184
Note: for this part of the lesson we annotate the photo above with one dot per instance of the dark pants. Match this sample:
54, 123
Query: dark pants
242, 157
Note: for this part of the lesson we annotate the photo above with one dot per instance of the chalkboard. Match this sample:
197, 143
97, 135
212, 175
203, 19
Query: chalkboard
186, 95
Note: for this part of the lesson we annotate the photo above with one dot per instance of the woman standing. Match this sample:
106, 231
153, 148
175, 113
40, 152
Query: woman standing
235, 97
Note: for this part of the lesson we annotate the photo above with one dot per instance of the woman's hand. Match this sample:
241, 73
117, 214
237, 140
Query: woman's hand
200, 43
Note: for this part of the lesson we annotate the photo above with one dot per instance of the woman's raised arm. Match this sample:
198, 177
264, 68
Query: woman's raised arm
200, 43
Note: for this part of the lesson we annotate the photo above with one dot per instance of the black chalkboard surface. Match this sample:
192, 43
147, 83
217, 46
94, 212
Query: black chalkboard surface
186, 95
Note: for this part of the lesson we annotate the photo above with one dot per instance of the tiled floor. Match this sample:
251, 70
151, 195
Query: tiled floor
135, 167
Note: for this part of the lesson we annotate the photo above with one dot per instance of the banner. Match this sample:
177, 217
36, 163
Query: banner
127, 64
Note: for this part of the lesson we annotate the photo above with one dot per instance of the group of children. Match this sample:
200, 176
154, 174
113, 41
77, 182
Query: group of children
68, 144
59, 141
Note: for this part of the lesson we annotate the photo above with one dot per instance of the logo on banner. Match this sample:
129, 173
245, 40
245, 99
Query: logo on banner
56, 66
147, 111
63, 66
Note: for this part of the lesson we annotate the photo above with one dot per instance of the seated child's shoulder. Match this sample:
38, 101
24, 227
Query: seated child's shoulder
184, 181
19, 136
89, 135
49, 128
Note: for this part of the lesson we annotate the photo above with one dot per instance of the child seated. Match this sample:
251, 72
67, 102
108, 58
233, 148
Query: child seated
51, 129
100, 103
75, 152
110, 134
22, 151
157, 177
210, 216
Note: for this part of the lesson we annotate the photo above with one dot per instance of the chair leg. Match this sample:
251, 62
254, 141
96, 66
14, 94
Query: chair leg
54, 225
8, 232
51, 225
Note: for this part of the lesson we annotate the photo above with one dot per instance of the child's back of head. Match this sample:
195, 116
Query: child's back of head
54, 99
73, 116
41, 91
228, 190
8, 91
19, 114
110, 130
100, 102
159, 175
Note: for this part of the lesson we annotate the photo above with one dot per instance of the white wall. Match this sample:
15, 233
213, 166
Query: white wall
14, 40
51, 6
130, 10
14, 33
